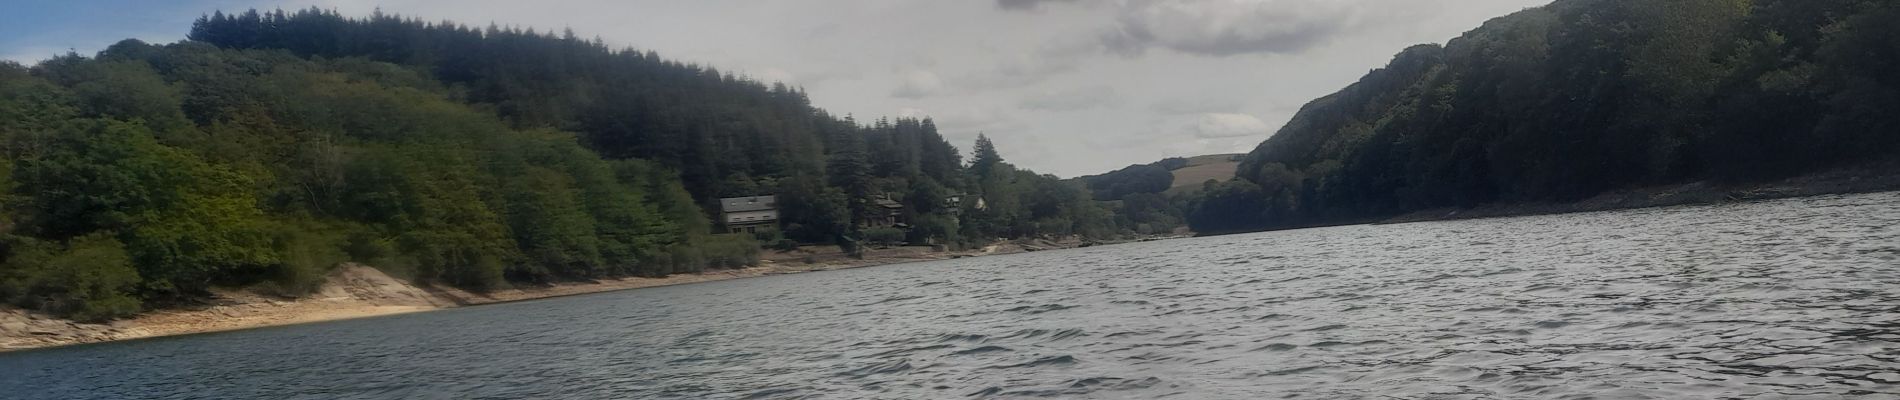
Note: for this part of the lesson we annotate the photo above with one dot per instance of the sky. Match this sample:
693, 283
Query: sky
1069, 87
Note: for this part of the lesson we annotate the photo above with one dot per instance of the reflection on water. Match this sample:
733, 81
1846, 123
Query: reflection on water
1786, 299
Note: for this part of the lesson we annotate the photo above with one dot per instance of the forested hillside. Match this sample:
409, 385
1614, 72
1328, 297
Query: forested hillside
1567, 101
153, 172
269, 147
726, 135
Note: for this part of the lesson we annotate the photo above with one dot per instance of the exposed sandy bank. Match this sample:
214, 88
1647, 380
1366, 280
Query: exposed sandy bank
356, 291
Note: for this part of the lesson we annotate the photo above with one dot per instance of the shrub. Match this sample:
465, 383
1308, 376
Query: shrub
730, 251
454, 258
768, 236
364, 246
785, 245
884, 236
850, 247
935, 229
673, 259
307, 252
91, 280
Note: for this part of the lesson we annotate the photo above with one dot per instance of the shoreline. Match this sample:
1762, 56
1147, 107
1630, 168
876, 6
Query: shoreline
1873, 178
353, 291
1864, 179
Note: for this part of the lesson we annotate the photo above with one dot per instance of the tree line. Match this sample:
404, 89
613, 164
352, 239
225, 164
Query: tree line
269, 147
1579, 97
726, 135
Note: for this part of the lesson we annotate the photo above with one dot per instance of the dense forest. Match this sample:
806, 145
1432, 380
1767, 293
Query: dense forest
1566, 101
726, 135
269, 147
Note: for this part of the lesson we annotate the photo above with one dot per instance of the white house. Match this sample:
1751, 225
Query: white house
749, 214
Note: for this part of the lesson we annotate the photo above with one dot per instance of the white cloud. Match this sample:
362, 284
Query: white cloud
1082, 98
1023, 71
1222, 125
773, 74
1027, 4
1230, 27
917, 85
1198, 104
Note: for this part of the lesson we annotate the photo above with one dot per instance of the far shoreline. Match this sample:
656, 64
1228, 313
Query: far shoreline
1846, 181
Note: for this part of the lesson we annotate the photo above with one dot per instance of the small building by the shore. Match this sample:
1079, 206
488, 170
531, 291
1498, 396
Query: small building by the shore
888, 213
749, 214
953, 204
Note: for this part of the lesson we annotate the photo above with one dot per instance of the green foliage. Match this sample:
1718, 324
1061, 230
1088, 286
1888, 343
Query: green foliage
1150, 214
851, 247
884, 236
185, 222
729, 251
90, 279
1570, 100
272, 147
1228, 207
1136, 179
551, 227
785, 245
308, 251
228, 167
936, 229
1022, 203
813, 212
987, 161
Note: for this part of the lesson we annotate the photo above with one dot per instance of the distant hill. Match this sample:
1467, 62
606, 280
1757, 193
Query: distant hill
1582, 97
1199, 169
1153, 198
1167, 177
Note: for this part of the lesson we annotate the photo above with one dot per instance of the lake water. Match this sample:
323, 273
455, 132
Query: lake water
1783, 299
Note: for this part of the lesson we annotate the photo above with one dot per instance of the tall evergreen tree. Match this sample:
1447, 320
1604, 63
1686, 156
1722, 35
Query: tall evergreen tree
985, 158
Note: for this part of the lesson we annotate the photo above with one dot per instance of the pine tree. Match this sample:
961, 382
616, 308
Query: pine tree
986, 159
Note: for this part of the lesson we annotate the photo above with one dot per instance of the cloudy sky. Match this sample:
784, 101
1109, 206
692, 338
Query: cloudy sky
1069, 87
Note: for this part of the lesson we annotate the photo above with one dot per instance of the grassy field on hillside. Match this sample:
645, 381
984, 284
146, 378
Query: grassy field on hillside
1219, 167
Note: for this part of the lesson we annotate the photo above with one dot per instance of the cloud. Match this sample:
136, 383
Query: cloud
1011, 74
1014, 69
1230, 27
1072, 100
775, 74
1222, 125
917, 85
972, 120
1199, 104
1024, 5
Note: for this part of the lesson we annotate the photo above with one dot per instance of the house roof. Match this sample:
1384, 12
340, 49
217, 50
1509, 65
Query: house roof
887, 203
743, 204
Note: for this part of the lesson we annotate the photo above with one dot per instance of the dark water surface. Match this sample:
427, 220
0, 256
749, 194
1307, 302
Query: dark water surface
1784, 299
